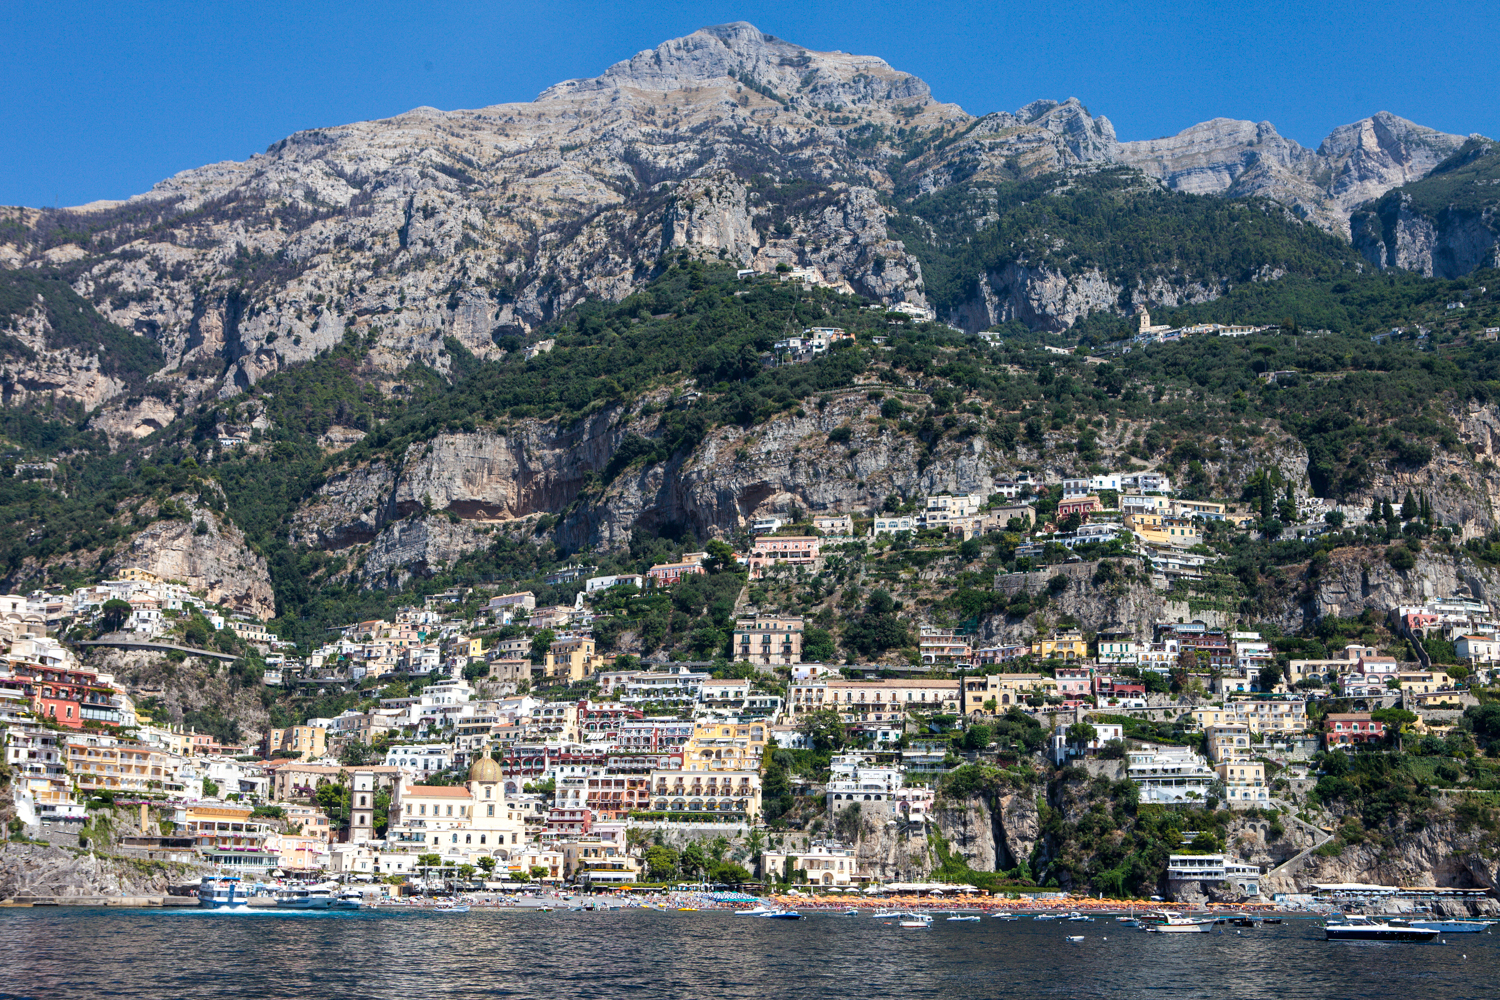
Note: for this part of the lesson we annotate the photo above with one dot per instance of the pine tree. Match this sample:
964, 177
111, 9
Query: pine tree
1374, 514
1388, 514
1409, 508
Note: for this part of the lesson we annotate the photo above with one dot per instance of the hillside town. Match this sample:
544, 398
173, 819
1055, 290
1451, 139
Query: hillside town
489, 742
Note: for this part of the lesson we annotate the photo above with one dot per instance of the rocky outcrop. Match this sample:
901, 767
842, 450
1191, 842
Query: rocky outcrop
194, 684
1357, 162
1356, 579
1098, 594
208, 554
1444, 225
29, 870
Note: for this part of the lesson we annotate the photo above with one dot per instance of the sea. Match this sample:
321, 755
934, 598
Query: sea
395, 954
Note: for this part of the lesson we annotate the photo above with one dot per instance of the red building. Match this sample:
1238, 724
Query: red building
68, 696
1355, 727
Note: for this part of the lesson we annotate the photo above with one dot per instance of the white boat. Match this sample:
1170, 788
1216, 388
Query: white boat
349, 899
456, 907
963, 918
1452, 926
302, 897
1048, 916
219, 892
851, 912
1358, 928
1077, 918
1176, 923
1075, 939
916, 921
886, 914
1004, 916
755, 911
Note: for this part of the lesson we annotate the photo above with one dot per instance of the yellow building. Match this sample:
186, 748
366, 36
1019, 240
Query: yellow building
724, 746
571, 658
127, 766
734, 795
1005, 690
873, 701
307, 742
1261, 715
1417, 682
1065, 646
1244, 782
1164, 529
1228, 741
138, 575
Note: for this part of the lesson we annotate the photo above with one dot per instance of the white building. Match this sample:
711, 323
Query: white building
1215, 868
854, 778
420, 759
1170, 774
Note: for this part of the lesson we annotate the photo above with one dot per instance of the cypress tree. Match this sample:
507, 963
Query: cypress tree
1409, 507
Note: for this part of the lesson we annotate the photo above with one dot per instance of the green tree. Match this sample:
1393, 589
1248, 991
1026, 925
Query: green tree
1081, 734
486, 862
825, 729
729, 872
429, 860
114, 614
1270, 676
661, 863
1409, 508
210, 789
720, 556
541, 644
978, 737
817, 645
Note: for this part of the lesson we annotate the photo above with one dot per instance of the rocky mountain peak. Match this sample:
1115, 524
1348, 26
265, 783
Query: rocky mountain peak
742, 52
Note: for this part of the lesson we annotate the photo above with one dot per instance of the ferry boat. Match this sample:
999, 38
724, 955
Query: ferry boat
302, 897
1359, 928
349, 899
916, 921
222, 892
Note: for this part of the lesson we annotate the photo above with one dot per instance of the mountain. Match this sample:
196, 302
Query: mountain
1445, 224
736, 145
463, 345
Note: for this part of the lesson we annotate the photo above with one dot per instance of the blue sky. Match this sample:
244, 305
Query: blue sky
102, 100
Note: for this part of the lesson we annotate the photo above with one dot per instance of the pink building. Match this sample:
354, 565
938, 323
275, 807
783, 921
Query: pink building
795, 550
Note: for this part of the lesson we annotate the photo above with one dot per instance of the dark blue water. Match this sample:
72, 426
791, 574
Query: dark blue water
201, 955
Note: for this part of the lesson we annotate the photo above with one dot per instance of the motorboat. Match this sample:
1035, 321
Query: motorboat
886, 914
1176, 923
755, 911
1452, 926
1075, 939
454, 906
782, 915
303, 897
349, 899
851, 912
1360, 928
1048, 916
916, 921
963, 918
1002, 915
1078, 918
222, 892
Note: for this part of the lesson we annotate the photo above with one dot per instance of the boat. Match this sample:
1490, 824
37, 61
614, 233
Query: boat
1075, 939
886, 914
302, 897
851, 912
1077, 918
349, 899
687, 909
782, 915
963, 918
1129, 921
1048, 916
1002, 915
1360, 928
916, 921
1176, 923
1452, 926
754, 911
219, 892
456, 906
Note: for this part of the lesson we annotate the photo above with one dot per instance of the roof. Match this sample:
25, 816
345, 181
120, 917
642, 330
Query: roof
439, 791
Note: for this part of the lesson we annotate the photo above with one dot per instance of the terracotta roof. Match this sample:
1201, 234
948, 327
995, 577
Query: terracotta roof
439, 791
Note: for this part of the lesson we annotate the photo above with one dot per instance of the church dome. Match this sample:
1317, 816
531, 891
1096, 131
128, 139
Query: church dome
485, 769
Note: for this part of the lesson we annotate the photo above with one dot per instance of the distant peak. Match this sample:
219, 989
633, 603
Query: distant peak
727, 53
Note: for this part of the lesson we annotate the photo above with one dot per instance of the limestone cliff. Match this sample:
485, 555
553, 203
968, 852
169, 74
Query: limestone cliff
206, 552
